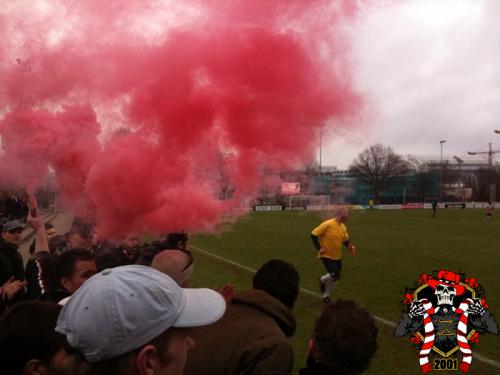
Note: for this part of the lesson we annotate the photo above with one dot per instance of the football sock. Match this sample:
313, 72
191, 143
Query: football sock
325, 278
329, 287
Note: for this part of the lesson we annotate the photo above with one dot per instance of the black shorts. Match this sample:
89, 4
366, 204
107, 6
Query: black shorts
333, 267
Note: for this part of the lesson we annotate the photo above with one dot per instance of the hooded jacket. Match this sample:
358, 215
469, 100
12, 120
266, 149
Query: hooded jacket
251, 338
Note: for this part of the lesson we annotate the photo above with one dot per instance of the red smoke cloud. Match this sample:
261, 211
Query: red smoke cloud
208, 104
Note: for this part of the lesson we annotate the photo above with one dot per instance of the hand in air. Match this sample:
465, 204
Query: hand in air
228, 291
35, 222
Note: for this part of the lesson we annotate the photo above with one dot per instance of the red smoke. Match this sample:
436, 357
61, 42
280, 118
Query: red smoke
209, 104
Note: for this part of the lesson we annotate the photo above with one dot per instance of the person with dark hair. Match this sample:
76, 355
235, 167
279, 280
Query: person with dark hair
343, 341
108, 255
58, 243
60, 275
132, 320
11, 263
81, 236
70, 270
252, 337
28, 343
280, 280
177, 240
131, 248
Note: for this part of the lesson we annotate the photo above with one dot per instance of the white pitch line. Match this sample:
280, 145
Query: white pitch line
388, 323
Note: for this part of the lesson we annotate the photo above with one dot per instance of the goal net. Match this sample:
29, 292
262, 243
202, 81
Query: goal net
308, 200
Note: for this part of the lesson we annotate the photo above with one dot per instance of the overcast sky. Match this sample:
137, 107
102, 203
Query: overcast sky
427, 70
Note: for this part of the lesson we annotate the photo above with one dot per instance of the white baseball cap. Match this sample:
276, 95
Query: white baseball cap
121, 309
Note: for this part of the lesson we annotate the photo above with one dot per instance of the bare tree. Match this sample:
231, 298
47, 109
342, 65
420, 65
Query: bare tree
378, 166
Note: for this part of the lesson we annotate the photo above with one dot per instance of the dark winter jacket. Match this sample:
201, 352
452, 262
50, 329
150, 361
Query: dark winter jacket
251, 338
38, 272
11, 262
40, 277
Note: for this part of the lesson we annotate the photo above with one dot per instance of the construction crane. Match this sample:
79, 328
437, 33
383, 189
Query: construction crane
490, 154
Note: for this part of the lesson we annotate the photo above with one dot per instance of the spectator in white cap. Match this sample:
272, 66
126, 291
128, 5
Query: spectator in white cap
131, 320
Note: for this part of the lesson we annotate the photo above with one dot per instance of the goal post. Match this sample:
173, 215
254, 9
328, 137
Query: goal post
308, 200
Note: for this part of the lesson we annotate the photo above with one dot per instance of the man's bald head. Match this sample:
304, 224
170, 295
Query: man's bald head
174, 263
341, 214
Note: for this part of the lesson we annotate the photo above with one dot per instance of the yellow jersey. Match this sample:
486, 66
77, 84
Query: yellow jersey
331, 236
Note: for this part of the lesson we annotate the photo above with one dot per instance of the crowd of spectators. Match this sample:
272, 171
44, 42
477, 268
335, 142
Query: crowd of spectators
84, 306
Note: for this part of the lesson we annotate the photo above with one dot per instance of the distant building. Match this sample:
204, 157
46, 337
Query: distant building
470, 163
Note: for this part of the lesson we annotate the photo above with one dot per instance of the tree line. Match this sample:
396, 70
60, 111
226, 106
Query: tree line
378, 167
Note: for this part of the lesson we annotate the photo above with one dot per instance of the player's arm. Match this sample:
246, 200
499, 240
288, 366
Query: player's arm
352, 249
315, 241
317, 233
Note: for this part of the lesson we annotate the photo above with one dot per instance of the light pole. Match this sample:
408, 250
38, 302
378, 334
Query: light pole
320, 147
442, 141
460, 162
442, 167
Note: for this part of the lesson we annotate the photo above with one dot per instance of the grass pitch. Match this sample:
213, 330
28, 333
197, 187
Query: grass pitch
394, 248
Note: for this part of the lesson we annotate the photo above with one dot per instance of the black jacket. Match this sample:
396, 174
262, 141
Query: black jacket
11, 262
41, 281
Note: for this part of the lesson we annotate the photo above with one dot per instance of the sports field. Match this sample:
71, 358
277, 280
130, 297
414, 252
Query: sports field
393, 249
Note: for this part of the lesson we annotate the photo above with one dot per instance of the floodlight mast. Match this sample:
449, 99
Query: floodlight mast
321, 147
460, 162
442, 141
